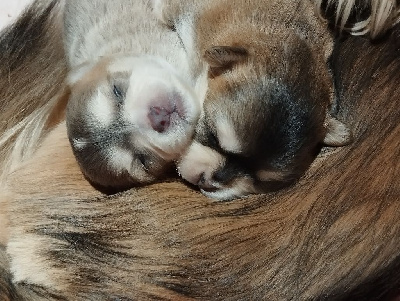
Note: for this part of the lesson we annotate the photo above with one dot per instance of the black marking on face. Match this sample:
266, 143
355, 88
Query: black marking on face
277, 127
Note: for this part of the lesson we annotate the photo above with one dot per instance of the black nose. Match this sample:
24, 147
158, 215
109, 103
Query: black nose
224, 175
206, 184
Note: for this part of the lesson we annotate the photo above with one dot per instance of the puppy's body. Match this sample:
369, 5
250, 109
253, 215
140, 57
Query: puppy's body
134, 97
333, 236
270, 98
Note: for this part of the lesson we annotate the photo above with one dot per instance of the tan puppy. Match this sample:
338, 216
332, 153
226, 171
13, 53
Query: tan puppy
270, 101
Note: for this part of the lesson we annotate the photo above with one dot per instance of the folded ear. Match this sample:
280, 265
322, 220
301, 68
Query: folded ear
337, 133
223, 58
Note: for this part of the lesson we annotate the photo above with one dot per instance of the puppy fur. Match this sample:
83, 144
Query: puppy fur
134, 99
333, 236
270, 101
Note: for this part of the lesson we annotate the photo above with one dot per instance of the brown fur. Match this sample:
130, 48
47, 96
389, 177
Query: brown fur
20, 55
32, 70
333, 236
270, 82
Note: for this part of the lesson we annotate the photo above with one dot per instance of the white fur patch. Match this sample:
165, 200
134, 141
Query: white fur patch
121, 159
102, 109
152, 82
199, 160
27, 265
227, 137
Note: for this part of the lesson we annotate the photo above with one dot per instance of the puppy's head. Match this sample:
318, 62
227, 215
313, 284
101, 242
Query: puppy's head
128, 118
264, 120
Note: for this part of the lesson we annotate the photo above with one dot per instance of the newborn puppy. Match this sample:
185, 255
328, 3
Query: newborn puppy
270, 100
134, 98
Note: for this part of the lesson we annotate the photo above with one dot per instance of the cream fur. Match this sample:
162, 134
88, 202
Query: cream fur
384, 14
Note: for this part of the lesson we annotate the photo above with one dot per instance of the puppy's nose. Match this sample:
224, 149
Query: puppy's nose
224, 175
205, 184
160, 118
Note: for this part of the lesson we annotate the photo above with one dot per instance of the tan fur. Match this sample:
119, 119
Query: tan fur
269, 79
33, 73
334, 236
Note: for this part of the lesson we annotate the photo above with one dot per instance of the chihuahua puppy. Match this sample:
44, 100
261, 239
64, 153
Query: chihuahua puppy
270, 102
134, 97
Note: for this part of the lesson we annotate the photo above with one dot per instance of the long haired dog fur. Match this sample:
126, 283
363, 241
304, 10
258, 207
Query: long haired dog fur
135, 98
370, 17
270, 103
332, 236
33, 70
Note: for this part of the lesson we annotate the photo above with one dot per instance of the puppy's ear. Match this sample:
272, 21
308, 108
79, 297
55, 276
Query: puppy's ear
223, 58
337, 133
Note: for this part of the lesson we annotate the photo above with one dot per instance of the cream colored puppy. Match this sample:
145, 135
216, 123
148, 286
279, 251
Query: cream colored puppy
134, 96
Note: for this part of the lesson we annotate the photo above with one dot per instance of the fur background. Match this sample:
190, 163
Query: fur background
311, 234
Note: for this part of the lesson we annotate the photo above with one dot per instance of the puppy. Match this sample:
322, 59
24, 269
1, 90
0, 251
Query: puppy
134, 97
270, 101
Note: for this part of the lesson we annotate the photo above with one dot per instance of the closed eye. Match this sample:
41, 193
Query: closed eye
118, 93
144, 161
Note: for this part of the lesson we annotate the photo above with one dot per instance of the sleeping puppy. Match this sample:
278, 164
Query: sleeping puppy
270, 100
134, 98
